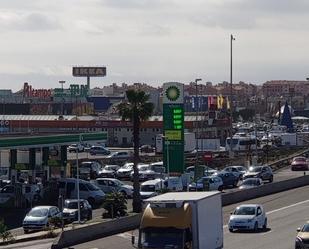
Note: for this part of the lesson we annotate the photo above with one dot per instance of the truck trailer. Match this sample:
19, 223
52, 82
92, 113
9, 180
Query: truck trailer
182, 220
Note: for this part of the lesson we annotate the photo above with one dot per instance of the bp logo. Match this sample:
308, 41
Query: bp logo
172, 93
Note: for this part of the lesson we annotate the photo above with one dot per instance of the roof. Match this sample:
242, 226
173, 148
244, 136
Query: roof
249, 205
183, 196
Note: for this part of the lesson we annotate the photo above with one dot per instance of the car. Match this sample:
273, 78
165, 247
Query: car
263, 172
228, 178
207, 182
248, 217
251, 183
37, 218
119, 155
207, 170
302, 237
87, 190
239, 171
146, 148
109, 185
90, 169
299, 163
125, 171
151, 188
98, 150
142, 172
149, 171
109, 171
70, 210
75, 148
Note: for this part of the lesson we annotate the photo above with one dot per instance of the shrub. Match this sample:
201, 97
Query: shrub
5, 235
115, 205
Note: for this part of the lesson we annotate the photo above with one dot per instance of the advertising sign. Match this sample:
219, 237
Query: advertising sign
89, 71
173, 125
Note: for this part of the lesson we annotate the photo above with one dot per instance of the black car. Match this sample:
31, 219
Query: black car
228, 178
263, 172
70, 210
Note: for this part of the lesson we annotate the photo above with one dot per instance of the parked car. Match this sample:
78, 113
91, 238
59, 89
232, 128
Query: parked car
37, 218
109, 171
90, 168
119, 155
146, 148
299, 163
125, 171
151, 188
263, 172
149, 171
109, 185
302, 236
248, 217
87, 190
75, 148
70, 210
98, 150
239, 171
251, 183
228, 178
207, 170
208, 182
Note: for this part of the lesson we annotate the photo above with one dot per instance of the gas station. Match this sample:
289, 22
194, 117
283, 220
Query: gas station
45, 156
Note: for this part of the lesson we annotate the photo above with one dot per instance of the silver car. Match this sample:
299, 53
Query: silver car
37, 218
109, 185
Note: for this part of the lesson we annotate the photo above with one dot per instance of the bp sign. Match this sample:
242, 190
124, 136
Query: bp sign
173, 127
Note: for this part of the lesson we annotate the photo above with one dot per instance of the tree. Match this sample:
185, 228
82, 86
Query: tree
137, 108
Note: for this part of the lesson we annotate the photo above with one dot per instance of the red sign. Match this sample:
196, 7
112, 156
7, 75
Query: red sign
208, 157
36, 93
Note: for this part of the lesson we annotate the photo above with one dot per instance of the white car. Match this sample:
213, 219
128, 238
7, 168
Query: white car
248, 217
213, 182
238, 171
119, 155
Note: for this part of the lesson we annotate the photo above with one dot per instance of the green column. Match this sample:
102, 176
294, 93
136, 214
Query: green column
13, 158
45, 156
32, 158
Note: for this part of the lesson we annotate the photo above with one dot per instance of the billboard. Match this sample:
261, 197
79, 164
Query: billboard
89, 71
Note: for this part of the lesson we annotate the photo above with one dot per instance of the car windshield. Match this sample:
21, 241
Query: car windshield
92, 187
148, 188
71, 204
127, 166
201, 180
299, 159
143, 168
109, 167
305, 228
38, 212
240, 168
255, 169
245, 211
118, 183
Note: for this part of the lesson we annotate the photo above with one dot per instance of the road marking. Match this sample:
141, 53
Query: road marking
280, 209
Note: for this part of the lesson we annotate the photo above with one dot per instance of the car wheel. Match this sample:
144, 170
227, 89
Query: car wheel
220, 188
26, 231
124, 193
265, 224
235, 183
256, 227
89, 216
271, 179
231, 230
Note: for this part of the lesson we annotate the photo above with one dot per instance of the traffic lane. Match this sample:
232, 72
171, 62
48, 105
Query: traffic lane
281, 233
271, 203
35, 244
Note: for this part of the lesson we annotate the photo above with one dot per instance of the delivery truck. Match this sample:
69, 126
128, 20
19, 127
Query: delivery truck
189, 142
183, 220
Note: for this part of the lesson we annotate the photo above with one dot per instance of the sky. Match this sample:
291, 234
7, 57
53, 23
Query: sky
152, 41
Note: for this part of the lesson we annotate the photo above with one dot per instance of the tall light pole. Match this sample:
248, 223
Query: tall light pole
62, 109
231, 94
196, 127
77, 179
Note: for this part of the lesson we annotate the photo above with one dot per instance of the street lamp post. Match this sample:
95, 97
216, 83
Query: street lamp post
77, 179
196, 126
62, 101
167, 143
231, 94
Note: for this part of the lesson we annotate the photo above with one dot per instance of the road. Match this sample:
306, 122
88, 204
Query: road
35, 244
285, 211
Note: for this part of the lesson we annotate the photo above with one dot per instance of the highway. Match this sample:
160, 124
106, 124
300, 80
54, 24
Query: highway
285, 211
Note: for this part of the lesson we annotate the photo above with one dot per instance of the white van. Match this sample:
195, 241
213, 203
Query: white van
87, 190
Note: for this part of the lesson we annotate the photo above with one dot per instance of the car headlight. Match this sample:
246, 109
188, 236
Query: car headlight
250, 220
72, 214
298, 239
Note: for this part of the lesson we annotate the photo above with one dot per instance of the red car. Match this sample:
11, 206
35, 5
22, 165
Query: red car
299, 163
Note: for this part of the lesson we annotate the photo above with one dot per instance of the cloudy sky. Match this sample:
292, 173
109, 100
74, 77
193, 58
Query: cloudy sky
152, 41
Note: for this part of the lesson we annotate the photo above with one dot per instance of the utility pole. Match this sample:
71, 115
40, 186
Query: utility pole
196, 125
231, 94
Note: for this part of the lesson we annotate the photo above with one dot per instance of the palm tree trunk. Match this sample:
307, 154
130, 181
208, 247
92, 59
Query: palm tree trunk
137, 205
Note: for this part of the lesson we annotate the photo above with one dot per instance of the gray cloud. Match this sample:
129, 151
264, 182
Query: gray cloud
137, 4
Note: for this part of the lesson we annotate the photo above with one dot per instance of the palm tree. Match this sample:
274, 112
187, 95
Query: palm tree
136, 109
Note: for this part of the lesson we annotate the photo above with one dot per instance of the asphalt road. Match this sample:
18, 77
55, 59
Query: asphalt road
35, 244
285, 211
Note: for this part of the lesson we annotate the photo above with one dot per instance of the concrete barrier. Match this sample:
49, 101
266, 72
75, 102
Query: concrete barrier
267, 189
96, 231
